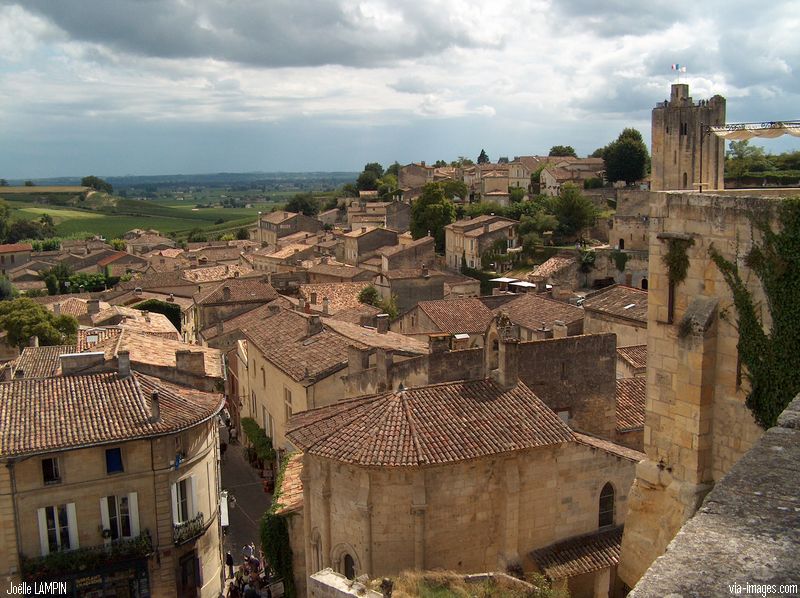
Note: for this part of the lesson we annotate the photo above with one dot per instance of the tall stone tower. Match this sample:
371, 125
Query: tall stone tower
684, 155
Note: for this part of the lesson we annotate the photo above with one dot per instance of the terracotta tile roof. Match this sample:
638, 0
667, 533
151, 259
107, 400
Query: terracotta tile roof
620, 301
552, 267
52, 414
183, 302
283, 339
278, 217
213, 273
339, 270
75, 307
13, 247
153, 280
394, 249
287, 251
134, 319
89, 337
610, 447
493, 227
370, 337
171, 253
530, 310
361, 230
241, 290
631, 399
580, 555
429, 425
156, 351
40, 362
113, 257
244, 320
353, 314
340, 295
454, 316
291, 491
634, 355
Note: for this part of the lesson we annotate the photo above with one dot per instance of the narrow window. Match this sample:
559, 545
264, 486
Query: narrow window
685, 180
671, 303
50, 472
114, 461
644, 284
606, 516
57, 528
182, 501
563, 370
287, 400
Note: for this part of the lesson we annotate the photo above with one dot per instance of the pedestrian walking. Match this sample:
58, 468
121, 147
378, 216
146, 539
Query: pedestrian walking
233, 435
229, 563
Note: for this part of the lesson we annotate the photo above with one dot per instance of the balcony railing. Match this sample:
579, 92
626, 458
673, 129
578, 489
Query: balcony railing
188, 530
66, 562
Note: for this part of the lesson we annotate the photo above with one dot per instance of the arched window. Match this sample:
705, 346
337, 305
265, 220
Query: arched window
349, 566
644, 284
606, 516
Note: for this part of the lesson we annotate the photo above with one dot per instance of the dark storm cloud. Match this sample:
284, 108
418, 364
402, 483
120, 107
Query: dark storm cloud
277, 33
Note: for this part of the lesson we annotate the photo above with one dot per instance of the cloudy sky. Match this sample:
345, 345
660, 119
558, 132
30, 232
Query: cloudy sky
114, 87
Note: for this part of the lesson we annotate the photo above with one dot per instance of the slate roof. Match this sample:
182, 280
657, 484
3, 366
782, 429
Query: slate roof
631, 398
291, 491
530, 310
634, 355
580, 555
241, 290
620, 301
40, 362
66, 412
454, 316
429, 425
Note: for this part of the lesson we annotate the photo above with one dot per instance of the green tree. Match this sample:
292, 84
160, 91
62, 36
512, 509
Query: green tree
48, 225
97, 184
516, 194
394, 169
29, 184
369, 295
7, 290
171, 310
367, 181
23, 318
118, 244
439, 163
303, 203
242, 234
389, 306
626, 158
573, 210
562, 150
483, 157
462, 162
3, 183
197, 235
454, 189
598, 153
24, 229
432, 211
742, 158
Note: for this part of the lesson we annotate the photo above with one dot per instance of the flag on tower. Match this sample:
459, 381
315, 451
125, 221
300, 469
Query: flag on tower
679, 68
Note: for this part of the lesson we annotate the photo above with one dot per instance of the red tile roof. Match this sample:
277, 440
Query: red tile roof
241, 290
634, 355
620, 301
454, 316
530, 310
52, 414
429, 425
631, 399
40, 362
13, 247
580, 555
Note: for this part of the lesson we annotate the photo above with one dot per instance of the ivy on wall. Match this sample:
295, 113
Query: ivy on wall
262, 444
676, 259
620, 259
275, 537
771, 358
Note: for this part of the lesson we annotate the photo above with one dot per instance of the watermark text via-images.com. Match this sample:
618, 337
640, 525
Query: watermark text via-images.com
763, 589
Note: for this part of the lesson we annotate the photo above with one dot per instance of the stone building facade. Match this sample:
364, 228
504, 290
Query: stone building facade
696, 424
684, 155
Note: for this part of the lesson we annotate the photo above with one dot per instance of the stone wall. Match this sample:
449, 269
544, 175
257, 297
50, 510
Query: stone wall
577, 373
696, 425
478, 515
628, 332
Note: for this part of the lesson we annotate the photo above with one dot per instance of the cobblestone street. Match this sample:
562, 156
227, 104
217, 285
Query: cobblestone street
243, 482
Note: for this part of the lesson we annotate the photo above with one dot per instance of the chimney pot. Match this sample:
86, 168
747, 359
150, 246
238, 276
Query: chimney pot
302, 304
33, 341
226, 293
314, 325
124, 363
326, 306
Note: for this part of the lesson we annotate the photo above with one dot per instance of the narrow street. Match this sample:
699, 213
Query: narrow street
243, 482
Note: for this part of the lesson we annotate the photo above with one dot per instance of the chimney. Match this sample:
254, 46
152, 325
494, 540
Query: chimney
326, 306
171, 298
57, 309
226, 293
383, 364
313, 297
33, 341
124, 363
383, 323
425, 273
438, 343
236, 273
559, 329
357, 359
274, 309
190, 362
301, 304
507, 373
314, 325
155, 407
363, 229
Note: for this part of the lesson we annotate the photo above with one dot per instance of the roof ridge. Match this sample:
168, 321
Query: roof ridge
353, 404
422, 455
